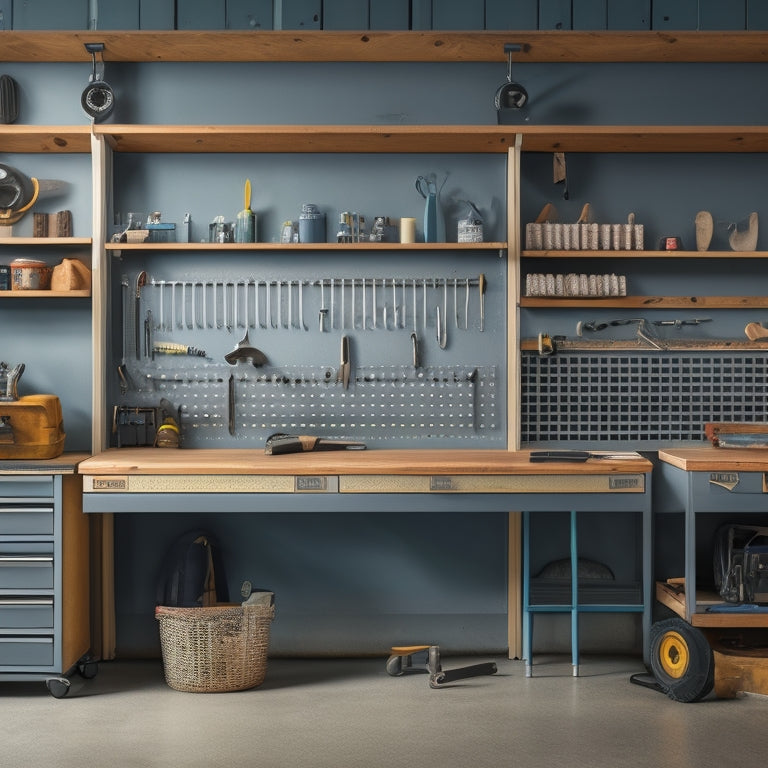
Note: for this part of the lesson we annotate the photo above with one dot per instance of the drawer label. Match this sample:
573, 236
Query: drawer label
624, 483
111, 483
727, 480
317, 484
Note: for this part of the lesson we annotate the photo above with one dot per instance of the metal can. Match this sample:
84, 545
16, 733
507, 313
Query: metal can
30, 275
5, 277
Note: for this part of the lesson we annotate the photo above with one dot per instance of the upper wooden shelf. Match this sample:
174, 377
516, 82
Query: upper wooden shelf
426, 139
305, 138
405, 46
432, 138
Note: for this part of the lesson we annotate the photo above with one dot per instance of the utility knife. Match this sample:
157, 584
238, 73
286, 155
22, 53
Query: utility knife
282, 443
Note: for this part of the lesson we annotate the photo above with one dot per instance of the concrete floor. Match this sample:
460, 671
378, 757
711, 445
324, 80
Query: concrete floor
352, 714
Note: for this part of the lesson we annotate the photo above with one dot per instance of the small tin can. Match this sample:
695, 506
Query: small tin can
5, 277
30, 275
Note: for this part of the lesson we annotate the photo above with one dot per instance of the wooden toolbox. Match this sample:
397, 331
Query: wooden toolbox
36, 425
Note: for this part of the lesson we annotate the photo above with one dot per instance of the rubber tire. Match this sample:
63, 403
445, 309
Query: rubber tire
395, 666
682, 660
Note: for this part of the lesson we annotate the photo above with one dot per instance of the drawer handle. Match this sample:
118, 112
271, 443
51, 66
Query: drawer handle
9, 560
21, 601
22, 510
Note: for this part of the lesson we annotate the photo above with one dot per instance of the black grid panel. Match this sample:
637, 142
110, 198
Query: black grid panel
642, 400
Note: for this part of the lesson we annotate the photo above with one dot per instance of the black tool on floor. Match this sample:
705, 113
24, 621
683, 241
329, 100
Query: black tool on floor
401, 661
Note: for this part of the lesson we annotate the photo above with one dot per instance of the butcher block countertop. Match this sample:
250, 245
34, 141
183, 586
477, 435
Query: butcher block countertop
237, 461
710, 459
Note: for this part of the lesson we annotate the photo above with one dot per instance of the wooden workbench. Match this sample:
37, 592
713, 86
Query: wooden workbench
149, 480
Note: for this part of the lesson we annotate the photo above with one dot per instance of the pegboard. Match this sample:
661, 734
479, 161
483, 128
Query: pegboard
638, 400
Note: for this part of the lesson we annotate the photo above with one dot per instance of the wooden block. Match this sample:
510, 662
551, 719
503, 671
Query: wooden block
200, 14
40, 224
6, 230
157, 14
389, 14
590, 14
675, 14
554, 14
629, 14
447, 14
345, 14
50, 14
717, 15
249, 14
740, 672
501, 14
117, 14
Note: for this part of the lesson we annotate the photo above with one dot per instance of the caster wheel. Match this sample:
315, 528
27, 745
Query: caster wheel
88, 669
58, 687
682, 660
395, 666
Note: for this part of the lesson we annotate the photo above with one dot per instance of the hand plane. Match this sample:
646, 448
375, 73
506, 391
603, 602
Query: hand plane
282, 443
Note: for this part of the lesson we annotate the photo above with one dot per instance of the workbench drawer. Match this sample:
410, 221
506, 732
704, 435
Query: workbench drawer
26, 571
26, 612
16, 486
26, 651
26, 520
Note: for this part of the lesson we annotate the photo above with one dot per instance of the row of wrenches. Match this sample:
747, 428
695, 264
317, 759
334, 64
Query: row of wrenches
345, 303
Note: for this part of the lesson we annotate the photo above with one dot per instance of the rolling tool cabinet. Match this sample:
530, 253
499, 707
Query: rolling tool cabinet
44, 574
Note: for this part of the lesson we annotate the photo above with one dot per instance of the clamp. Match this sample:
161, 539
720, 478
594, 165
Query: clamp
401, 661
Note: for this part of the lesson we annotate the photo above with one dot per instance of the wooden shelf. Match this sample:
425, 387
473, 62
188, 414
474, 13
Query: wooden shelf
44, 294
46, 241
652, 138
428, 139
45, 139
387, 46
424, 139
589, 254
649, 302
305, 246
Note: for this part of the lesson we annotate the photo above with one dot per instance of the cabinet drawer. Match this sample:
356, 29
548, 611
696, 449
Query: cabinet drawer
13, 486
26, 571
26, 612
26, 651
26, 519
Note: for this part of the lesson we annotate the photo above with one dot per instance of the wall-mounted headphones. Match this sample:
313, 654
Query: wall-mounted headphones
97, 99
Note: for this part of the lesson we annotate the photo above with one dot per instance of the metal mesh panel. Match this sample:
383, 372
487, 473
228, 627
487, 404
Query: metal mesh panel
640, 399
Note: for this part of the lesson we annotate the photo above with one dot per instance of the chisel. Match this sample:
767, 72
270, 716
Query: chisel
578, 456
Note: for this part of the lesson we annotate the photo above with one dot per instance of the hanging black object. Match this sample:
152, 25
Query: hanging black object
98, 99
9, 99
510, 95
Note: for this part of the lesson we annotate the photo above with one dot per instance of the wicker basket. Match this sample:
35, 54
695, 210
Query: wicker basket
215, 649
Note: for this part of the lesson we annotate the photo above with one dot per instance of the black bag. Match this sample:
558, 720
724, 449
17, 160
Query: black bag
192, 573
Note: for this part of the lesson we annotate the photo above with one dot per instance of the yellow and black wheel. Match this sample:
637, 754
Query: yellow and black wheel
681, 660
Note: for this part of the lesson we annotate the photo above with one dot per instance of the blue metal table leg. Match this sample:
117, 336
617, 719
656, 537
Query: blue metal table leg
574, 596
527, 615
